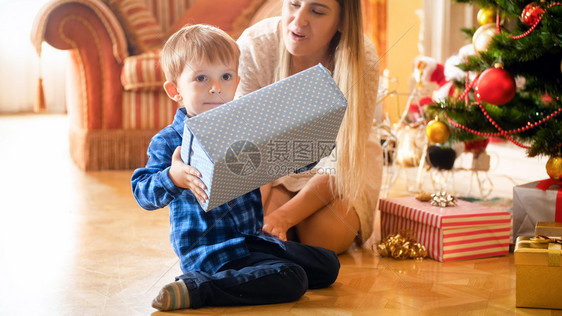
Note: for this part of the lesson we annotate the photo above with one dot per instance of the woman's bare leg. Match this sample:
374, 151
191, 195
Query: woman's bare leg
279, 217
333, 227
274, 197
320, 219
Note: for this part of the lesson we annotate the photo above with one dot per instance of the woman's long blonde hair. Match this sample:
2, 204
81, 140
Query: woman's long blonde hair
348, 58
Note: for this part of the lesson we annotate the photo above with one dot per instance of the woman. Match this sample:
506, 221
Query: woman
327, 210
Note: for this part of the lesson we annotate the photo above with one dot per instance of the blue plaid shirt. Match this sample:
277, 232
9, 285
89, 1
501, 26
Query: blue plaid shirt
204, 241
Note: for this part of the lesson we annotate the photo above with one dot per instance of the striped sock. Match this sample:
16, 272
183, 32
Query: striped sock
172, 296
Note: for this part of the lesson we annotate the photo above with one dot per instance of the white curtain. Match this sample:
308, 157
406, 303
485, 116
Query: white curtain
19, 63
440, 35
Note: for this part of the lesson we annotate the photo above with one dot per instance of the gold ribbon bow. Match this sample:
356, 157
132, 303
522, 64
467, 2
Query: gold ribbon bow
554, 250
441, 199
401, 246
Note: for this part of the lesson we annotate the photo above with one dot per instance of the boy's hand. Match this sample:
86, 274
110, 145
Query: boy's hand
187, 177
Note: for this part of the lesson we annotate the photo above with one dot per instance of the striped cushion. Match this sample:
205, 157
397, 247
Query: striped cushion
141, 28
147, 109
167, 12
232, 18
143, 71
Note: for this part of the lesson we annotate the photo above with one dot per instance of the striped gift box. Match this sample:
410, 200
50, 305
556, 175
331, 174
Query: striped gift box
465, 231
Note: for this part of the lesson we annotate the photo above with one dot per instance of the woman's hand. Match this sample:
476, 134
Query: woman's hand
275, 225
187, 177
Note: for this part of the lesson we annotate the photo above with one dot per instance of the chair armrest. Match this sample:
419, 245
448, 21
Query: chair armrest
49, 25
98, 46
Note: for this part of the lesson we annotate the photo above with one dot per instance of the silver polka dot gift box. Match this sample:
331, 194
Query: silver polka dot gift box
258, 138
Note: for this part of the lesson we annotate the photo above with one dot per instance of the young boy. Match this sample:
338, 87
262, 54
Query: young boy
225, 257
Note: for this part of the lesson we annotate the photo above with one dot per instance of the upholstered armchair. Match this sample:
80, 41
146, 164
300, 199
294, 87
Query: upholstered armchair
114, 94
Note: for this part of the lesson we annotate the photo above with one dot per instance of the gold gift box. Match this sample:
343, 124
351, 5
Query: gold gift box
550, 229
538, 273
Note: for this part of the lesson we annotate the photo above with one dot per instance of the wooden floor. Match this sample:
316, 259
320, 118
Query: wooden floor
75, 243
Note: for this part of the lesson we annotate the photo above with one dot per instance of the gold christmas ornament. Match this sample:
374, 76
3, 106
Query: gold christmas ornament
483, 37
437, 132
486, 16
554, 167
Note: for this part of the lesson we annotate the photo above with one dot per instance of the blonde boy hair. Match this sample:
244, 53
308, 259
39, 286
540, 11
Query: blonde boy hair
348, 58
196, 43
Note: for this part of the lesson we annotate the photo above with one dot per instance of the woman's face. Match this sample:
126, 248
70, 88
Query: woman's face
309, 26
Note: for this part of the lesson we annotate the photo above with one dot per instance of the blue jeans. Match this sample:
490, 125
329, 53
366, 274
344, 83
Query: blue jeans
268, 275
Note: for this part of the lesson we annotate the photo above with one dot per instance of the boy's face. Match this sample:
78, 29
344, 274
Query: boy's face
204, 85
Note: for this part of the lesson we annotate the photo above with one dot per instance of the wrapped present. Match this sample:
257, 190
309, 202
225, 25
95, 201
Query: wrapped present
550, 229
253, 140
539, 201
464, 231
538, 273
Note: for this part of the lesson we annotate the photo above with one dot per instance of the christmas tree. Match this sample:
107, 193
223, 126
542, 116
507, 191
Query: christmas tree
513, 86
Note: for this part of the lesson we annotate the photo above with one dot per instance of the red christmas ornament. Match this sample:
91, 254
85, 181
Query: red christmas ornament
531, 13
495, 86
546, 99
